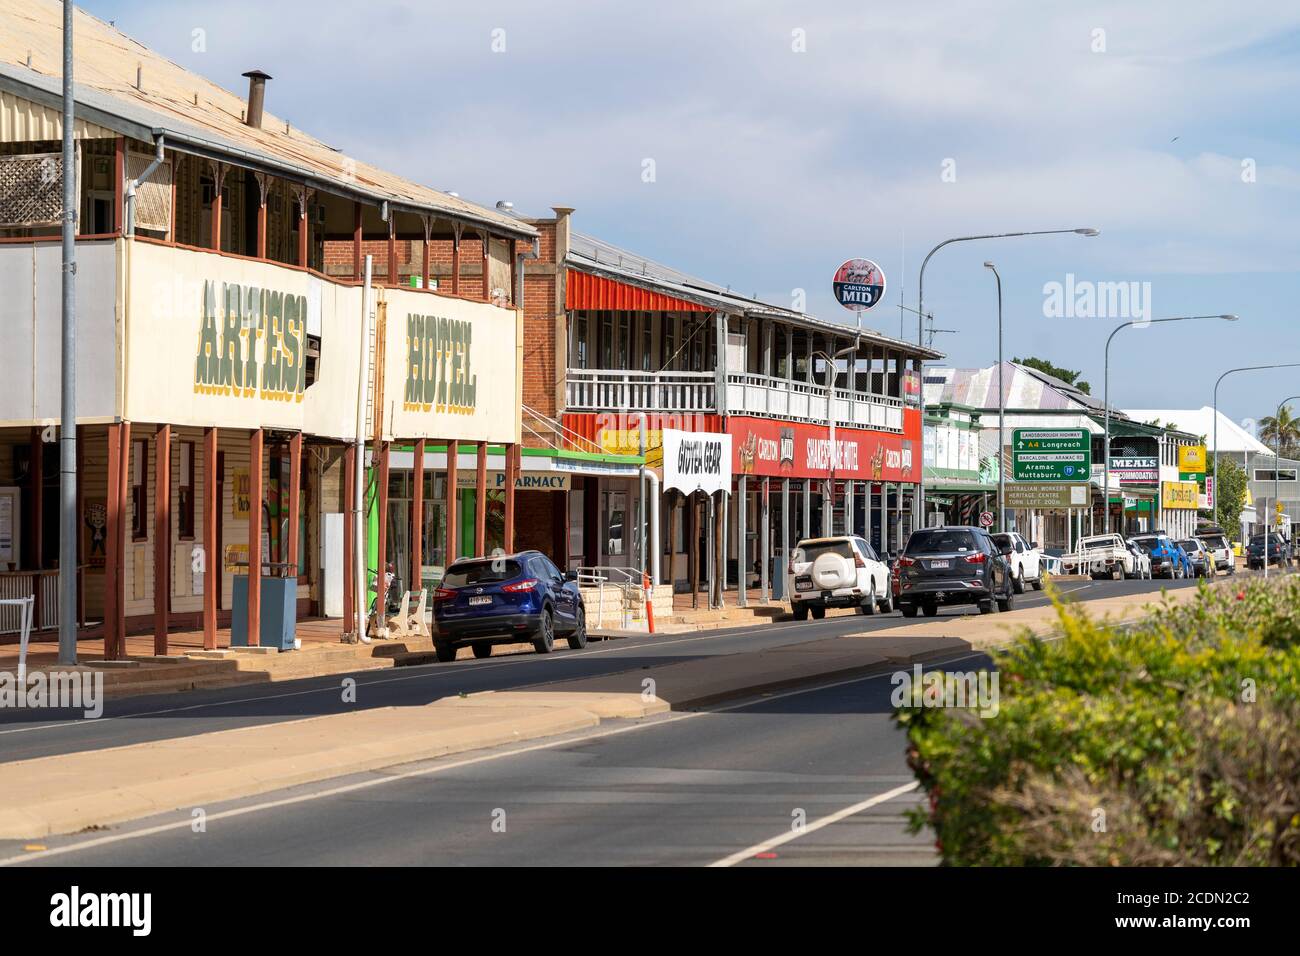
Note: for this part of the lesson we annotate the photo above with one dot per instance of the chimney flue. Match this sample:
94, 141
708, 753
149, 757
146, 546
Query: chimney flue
256, 96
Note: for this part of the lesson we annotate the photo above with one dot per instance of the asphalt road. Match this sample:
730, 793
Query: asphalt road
722, 785
25, 734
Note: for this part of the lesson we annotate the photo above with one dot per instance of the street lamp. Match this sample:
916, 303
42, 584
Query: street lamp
1245, 368
1277, 454
1105, 488
920, 324
1002, 413
828, 518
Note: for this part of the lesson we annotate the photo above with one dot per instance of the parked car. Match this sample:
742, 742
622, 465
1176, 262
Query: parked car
1025, 560
953, 565
1279, 551
1217, 543
1167, 559
505, 600
1141, 562
1101, 554
1199, 556
841, 571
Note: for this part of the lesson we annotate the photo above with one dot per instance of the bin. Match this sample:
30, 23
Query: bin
778, 575
278, 618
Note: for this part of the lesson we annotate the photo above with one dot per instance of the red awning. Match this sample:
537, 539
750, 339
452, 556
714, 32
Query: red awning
583, 290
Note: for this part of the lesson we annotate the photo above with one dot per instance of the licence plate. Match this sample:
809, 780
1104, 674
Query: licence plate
939, 564
480, 600
803, 585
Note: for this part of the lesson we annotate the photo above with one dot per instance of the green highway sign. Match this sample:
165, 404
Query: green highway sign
1051, 454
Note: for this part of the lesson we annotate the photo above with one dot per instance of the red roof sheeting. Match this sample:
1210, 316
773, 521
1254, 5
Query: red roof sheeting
583, 290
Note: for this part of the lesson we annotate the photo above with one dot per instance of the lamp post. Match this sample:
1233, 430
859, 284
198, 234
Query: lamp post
1105, 488
1277, 454
920, 323
1244, 368
828, 519
1002, 412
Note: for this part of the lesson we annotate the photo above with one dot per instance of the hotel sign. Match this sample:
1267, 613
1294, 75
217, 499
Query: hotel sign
439, 376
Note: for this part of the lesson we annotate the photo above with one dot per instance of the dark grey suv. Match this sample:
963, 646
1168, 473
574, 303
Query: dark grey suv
953, 565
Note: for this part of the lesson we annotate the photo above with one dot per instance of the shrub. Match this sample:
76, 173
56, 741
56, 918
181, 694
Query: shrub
1175, 740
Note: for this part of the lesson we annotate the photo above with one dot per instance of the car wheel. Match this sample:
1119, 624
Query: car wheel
986, 606
1018, 582
929, 610
799, 610
544, 641
1006, 603
482, 649
869, 605
446, 652
1117, 573
818, 612
909, 610
578, 637
887, 605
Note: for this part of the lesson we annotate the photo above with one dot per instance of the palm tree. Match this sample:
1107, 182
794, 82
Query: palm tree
1281, 431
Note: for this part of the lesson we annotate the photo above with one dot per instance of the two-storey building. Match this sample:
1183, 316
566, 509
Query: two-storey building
823, 422
233, 357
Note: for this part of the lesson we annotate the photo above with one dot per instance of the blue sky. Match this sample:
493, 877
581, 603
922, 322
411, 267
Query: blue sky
773, 163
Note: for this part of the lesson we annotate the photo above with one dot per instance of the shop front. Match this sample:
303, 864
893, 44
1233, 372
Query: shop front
810, 483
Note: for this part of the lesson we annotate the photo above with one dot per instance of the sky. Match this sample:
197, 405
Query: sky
784, 138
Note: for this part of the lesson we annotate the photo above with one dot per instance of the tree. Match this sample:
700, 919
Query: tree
1281, 431
1066, 375
1230, 493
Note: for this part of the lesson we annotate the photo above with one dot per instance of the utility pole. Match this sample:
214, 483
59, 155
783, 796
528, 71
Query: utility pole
68, 403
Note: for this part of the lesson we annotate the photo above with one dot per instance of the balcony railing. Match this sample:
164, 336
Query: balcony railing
595, 390
764, 395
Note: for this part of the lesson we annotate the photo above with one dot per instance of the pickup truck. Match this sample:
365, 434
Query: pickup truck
1101, 554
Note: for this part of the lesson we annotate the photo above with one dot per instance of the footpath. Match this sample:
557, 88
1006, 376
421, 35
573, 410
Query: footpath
71, 792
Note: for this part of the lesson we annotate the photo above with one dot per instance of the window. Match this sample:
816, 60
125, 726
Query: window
1283, 474
669, 339
647, 341
185, 494
139, 499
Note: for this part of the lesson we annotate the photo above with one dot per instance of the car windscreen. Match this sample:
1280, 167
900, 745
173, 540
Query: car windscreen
1146, 544
1215, 541
1105, 541
1189, 546
941, 541
480, 572
815, 549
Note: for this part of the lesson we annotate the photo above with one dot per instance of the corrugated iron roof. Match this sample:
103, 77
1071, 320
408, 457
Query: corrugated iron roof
192, 112
597, 257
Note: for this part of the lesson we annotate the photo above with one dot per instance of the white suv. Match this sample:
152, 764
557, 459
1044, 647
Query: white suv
841, 571
1024, 558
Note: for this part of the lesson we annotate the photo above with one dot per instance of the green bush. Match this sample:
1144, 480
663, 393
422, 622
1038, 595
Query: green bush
1174, 741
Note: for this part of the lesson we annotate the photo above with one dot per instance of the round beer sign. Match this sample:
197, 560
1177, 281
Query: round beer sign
859, 284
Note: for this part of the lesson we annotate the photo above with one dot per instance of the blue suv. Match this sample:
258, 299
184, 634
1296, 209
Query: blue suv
504, 600
1167, 558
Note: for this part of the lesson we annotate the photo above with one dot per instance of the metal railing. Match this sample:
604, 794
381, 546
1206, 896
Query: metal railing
749, 393
624, 582
605, 389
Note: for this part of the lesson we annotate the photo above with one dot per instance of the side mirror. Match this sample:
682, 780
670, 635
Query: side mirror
1033, 545
1005, 550
570, 575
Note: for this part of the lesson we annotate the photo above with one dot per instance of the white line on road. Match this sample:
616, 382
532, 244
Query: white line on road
442, 768
443, 671
793, 834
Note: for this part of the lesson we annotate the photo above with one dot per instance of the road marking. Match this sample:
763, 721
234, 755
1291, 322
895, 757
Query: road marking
441, 672
442, 768
793, 834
